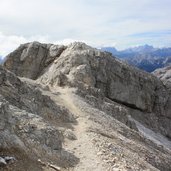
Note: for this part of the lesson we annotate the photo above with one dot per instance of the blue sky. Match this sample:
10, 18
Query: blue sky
119, 23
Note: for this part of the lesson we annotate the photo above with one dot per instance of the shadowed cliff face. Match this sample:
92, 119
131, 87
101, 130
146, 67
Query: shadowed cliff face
68, 83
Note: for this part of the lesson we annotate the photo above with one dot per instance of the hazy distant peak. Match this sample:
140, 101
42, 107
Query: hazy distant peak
140, 49
1, 59
145, 57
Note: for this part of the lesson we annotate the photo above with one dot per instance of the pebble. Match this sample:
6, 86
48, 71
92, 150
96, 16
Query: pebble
9, 159
99, 153
2, 162
109, 144
5, 160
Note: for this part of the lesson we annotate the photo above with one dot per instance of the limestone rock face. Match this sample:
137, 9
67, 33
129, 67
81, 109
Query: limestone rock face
80, 64
30, 59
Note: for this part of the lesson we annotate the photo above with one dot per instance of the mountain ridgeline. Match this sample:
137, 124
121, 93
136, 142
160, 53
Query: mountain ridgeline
144, 57
76, 108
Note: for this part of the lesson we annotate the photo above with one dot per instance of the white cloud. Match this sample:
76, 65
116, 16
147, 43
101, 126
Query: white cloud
8, 43
97, 22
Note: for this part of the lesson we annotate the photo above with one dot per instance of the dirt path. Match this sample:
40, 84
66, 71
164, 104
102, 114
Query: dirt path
83, 147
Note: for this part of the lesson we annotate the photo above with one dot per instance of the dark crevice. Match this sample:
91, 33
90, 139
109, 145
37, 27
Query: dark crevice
102, 86
132, 106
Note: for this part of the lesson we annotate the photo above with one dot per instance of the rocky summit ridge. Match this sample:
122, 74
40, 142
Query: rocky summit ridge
76, 108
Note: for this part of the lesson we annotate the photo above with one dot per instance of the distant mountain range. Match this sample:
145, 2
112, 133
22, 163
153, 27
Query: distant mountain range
1, 59
144, 57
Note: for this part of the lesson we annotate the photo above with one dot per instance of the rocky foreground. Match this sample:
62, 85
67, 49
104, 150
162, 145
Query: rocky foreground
75, 108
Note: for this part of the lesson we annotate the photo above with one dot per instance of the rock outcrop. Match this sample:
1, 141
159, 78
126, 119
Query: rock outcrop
80, 64
30, 59
78, 96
